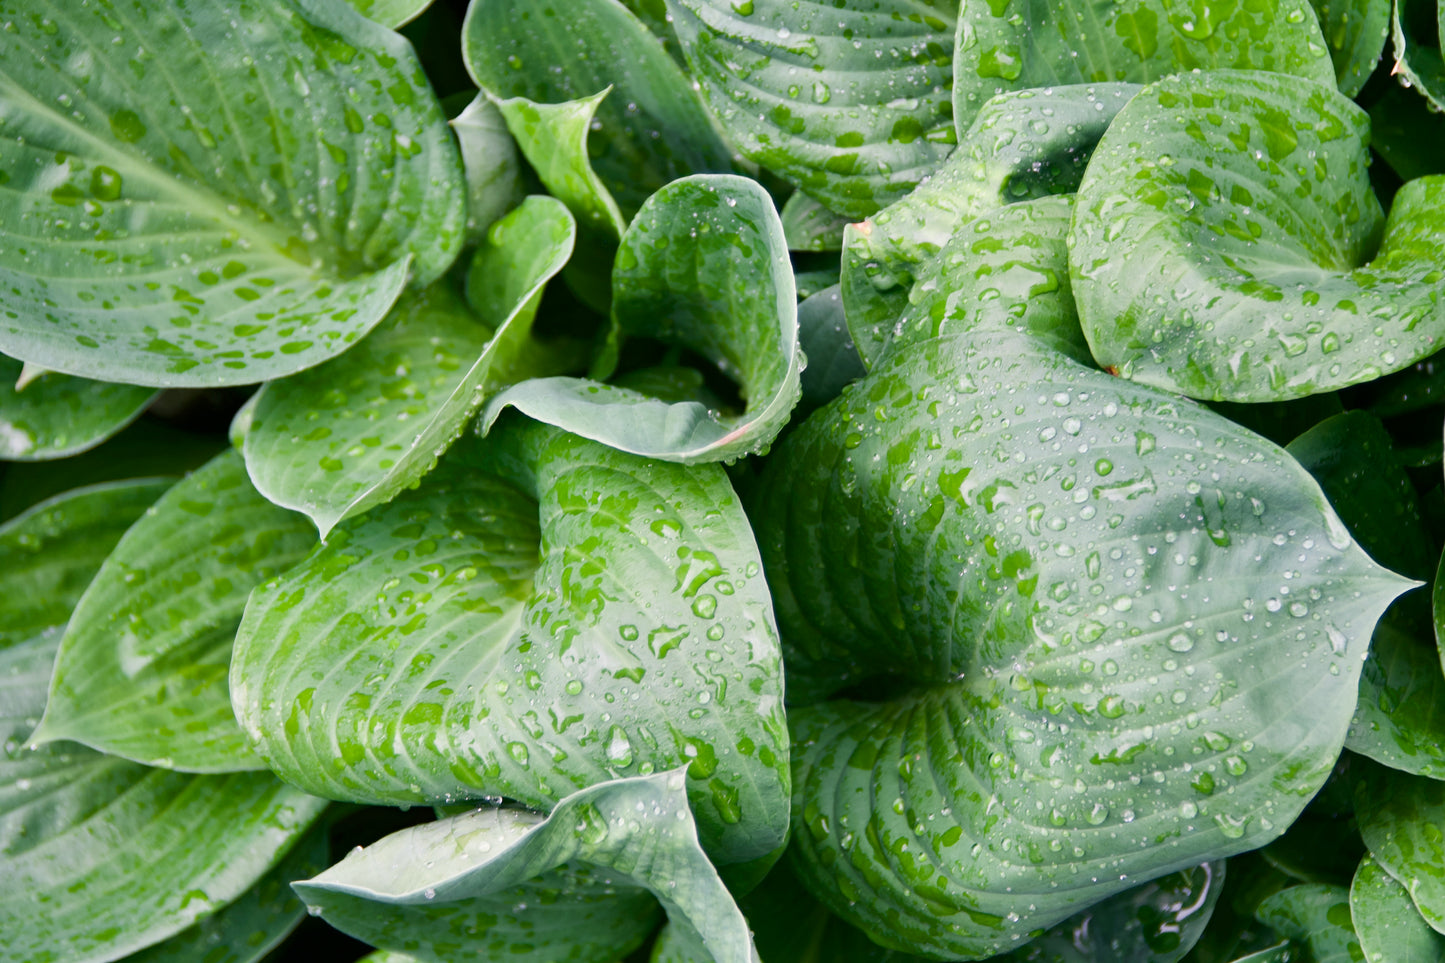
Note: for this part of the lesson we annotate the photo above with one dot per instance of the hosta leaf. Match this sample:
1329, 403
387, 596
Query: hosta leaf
1159, 921
1408, 134
600, 854
651, 128
704, 266
1315, 916
1400, 719
1020, 146
1001, 585
849, 102
1400, 818
1389, 928
49, 554
1356, 31
213, 193
542, 614
348, 435
809, 226
492, 163
254, 924
833, 360
1415, 27
56, 415
1018, 44
142, 669
391, 13
1241, 268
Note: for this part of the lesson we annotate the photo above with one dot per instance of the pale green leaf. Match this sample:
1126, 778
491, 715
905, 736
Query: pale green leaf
348, 435
492, 163
650, 130
213, 193
1252, 264
703, 266
1400, 818
143, 666
1018, 44
938, 542
55, 416
391, 13
849, 102
1389, 928
542, 614
482, 879
1316, 916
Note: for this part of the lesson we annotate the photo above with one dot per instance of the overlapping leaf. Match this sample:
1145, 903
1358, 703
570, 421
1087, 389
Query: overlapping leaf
348, 435
1389, 928
210, 193
1400, 818
1356, 31
1416, 27
1040, 569
142, 670
492, 164
1315, 916
704, 266
542, 614
1237, 260
56, 416
849, 102
391, 13
577, 886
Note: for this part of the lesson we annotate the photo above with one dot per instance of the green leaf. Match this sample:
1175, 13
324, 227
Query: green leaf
56, 416
391, 13
1389, 928
599, 854
833, 360
348, 435
651, 130
248, 929
205, 194
1318, 848
542, 614
49, 554
1356, 31
850, 103
809, 226
1400, 818
1317, 916
492, 163
1400, 719
1020, 146
1240, 269
1408, 134
1159, 922
703, 266
142, 668
1016, 44
1415, 27
938, 541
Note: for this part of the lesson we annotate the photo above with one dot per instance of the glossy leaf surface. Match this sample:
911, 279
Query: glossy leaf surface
173, 216
1389, 928
809, 226
604, 849
56, 415
849, 102
1356, 31
1400, 818
492, 163
391, 13
542, 614
704, 266
1415, 28
1315, 916
142, 669
352, 433
1243, 266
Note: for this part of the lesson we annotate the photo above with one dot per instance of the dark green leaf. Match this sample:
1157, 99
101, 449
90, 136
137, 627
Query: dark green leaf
704, 266
1243, 265
55, 416
1389, 928
346, 436
570, 887
1356, 31
809, 226
142, 669
1400, 818
849, 102
208, 193
833, 360
1318, 917
1415, 26
1408, 134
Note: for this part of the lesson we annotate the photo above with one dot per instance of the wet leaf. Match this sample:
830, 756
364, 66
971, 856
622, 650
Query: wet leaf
849, 102
142, 668
1400, 818
703, 266
1356, 31
809, 226
833, 360
541, 615
577, 886
492, 163
56, 415
1238, 261
1315, 916
391, 13
1389, 928
211, 193
1408, 134
1415, 26
350, 434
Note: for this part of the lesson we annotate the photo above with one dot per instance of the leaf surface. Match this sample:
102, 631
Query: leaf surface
1400, 818
209, 194
56, 415
142, 668
1244, 267
1389, 928
1316, 916
352, 433
809, 226
492, 163
1416, 31
391, 13
1356, 31
542, 614
601, 852
704, 266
